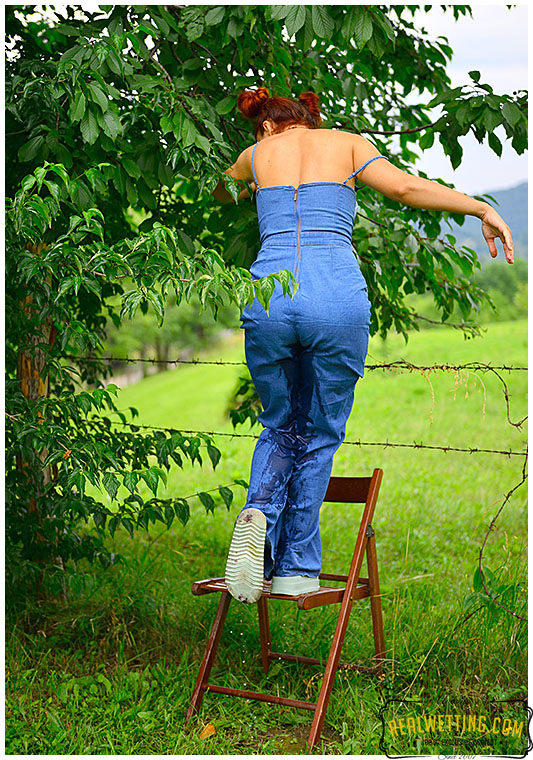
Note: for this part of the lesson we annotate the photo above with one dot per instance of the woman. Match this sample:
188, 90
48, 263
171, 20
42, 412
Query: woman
307, 355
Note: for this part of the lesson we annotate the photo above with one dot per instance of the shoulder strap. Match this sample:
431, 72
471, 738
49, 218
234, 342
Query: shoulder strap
362, 167
253, 168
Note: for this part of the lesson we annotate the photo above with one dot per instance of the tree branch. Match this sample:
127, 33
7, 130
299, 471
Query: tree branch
399, 131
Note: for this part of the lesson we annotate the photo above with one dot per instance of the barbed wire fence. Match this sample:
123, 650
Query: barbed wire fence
399, 365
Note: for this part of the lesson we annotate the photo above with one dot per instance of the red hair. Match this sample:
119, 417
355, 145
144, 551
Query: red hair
257, 104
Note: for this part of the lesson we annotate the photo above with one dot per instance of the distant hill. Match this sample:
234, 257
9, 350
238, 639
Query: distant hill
512, 206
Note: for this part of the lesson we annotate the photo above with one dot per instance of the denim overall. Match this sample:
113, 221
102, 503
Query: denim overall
305, 359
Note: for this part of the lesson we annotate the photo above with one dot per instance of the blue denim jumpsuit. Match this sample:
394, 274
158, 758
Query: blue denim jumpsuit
305, 359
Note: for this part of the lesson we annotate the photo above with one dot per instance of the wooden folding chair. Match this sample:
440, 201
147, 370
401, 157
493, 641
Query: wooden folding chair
354, 490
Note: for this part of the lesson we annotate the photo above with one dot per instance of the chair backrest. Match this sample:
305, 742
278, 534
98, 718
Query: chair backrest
357, 490
348, 490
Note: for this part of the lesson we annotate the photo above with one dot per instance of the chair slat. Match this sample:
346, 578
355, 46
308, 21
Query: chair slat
348, 490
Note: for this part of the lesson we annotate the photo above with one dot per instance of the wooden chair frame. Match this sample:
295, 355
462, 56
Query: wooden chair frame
343, 490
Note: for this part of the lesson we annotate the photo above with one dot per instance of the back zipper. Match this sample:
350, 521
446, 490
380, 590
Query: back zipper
297, 233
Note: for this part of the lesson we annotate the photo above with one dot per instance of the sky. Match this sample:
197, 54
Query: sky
494, 42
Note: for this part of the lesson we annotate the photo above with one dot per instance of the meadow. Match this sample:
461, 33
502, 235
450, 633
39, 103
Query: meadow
111, 670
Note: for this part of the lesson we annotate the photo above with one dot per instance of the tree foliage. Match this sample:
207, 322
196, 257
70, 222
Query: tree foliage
134, 106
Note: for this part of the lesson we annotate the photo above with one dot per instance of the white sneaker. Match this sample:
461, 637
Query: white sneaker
244, 566
294, 585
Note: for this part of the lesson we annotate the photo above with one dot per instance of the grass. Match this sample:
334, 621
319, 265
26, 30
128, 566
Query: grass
111, 672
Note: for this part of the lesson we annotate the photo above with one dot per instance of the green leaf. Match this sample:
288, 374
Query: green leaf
226, 105
151, 478
111, 124
474, 75
98, 95
77, 108
214, 454
161, 24
295, 19
427, 139
447, 268
146, 195
488, 577
111, 484
322, 22
28, 182
185, 243
127, 523
188, 133
227, 495
183, 511
495, 144
411, 243
166, 124
131, 167
279, 12
362, 27
130, 480
29, 150
169, 515
214, 15
89, 127
308, 35
511, 113
491, 119
203, 143
208, 501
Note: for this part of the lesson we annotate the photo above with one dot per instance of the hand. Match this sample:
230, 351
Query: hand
492, 227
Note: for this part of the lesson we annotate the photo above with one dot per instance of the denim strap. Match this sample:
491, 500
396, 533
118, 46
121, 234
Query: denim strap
253, 169
361, 168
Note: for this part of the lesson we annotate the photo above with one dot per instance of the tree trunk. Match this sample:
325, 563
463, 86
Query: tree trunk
30, 365
162, 351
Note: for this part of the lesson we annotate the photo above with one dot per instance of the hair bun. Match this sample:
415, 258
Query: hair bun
310, 100
249, 102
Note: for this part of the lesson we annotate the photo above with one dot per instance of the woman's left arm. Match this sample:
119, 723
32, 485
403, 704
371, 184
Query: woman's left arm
241, 169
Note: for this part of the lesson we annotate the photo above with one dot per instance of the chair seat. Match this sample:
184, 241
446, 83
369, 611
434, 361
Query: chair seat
325, 595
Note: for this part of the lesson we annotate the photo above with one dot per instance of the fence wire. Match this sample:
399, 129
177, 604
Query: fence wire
399, 365
385, 444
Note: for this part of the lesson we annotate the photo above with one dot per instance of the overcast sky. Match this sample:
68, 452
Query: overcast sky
494, 42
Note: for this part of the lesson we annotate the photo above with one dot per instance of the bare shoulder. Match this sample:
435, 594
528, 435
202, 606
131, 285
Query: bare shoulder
242, 167
359, 144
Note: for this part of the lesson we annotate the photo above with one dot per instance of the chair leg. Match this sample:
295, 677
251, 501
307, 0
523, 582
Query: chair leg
209, 656
329, 673
375, 602
264, 632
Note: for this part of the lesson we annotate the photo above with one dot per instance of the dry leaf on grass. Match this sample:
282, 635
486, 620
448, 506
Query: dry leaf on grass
209, 730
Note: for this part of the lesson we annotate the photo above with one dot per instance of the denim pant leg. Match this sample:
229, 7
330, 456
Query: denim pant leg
331, 378
270, 355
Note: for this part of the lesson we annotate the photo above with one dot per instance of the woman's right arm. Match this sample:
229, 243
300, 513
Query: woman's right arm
424, 193
241, 169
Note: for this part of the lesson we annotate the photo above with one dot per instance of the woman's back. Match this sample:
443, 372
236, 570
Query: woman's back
302, 188
304, 155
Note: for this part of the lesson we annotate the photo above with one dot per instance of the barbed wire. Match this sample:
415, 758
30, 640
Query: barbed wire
400, 363
385, 444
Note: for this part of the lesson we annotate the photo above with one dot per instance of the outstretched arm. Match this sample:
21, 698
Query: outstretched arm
423, 193
241, 169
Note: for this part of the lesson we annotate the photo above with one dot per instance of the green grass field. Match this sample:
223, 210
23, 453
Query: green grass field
111, 672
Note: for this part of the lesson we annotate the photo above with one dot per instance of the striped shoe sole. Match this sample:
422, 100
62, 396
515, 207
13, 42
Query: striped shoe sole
244, 567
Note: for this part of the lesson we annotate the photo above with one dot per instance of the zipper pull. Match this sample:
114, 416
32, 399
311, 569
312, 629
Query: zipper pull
295, 191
